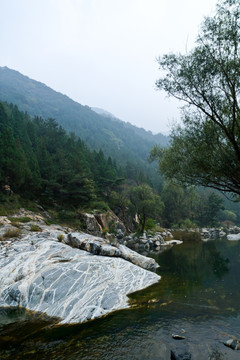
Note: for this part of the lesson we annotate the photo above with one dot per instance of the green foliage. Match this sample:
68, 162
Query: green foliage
150, 224
40, 161
105, 231
209, 209
185, 224
122, 141
206, 149
145, 204
9, 205
99, 206
186, 236
230, 215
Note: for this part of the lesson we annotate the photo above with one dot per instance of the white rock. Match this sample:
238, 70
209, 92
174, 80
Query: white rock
43, 275
233, 237
172, 242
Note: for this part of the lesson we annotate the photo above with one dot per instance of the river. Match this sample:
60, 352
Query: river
198, 298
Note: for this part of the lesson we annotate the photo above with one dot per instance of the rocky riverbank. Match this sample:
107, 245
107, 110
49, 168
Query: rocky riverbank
72, 276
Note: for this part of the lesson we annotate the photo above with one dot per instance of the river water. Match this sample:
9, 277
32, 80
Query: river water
198, 297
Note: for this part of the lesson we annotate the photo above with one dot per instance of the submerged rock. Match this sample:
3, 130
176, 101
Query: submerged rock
183, 356
233, 344
41, 274
178, 337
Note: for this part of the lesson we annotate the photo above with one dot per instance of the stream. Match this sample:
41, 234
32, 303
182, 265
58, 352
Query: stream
198, 298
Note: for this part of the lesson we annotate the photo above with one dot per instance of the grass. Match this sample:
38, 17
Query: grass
11, 233
35, 227
24, 219
60, 237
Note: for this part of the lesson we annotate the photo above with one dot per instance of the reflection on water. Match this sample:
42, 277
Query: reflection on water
198, 296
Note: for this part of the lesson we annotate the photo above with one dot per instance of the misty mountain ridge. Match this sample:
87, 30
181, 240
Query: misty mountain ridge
98, 128
159, 138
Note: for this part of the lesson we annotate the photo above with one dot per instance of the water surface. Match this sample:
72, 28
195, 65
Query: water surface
198, 297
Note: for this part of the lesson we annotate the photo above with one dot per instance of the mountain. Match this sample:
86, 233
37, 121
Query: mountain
122, 141
146, 135
104, 113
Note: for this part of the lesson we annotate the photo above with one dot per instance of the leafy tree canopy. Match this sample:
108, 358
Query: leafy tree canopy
205, 149
146, 204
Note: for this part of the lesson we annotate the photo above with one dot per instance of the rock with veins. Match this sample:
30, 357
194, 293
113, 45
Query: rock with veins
100, 246
41, 274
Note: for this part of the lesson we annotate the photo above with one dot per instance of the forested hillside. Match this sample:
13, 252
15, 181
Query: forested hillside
39, 160
59, 154
145, 135
122, 141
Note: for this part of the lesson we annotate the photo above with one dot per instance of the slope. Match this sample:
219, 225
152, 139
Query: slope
122, 141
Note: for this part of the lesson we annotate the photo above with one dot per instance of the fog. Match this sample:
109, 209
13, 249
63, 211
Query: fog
102, 53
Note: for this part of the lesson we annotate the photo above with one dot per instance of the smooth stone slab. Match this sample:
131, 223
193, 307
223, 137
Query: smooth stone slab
44, 275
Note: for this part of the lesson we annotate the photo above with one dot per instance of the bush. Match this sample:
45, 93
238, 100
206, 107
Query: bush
99, 205
187, 224
150, 224
186, 235
184, 224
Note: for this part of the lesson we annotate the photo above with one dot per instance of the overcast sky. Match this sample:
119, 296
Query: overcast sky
102, 53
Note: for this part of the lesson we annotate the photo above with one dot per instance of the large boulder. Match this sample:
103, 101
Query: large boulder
99, 246
91, 224
110, 221
97, 222
73, 285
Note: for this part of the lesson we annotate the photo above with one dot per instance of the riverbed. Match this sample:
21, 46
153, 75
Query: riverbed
197, 298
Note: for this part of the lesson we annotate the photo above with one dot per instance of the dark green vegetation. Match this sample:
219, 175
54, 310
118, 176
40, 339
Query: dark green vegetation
122, 141
146, 204
104, 163
198, 297
40, 161
206, 149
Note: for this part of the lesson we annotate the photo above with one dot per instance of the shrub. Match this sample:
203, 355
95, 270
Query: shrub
99, 205
159, 229
184, 224
187, 224
150, 224
227, 223
186, 235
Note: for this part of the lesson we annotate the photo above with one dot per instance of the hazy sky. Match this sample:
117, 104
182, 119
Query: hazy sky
102, 53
